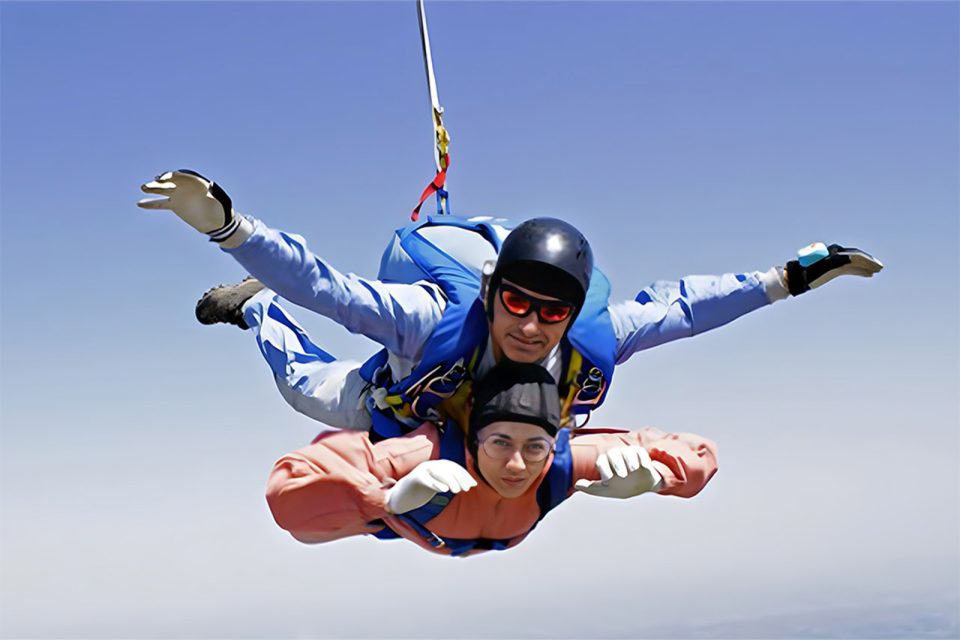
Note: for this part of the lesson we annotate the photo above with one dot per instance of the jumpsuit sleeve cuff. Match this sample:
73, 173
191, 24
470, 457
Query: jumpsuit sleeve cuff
773, 284
238, 237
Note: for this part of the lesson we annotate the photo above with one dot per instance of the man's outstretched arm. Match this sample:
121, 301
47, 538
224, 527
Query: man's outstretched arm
398, 316
667, 311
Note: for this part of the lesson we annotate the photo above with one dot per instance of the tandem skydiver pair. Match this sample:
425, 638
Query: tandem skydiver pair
455, 300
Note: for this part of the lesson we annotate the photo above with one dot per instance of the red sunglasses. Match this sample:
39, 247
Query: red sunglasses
520, 304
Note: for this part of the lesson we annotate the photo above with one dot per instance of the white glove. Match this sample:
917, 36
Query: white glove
426, 480
818, 264
624, 472
199, 202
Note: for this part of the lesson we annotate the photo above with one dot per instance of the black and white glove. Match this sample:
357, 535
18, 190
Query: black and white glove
818, 264
199, 202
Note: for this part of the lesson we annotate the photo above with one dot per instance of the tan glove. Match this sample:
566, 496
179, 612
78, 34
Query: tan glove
199, 202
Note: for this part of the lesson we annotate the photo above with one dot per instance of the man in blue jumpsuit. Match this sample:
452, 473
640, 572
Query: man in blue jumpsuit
530, 305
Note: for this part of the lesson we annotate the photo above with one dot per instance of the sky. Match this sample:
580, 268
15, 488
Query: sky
681, 138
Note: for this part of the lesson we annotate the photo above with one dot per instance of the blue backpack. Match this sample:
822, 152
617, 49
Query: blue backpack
450, 252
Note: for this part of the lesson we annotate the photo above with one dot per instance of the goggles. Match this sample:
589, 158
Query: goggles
520, 304
500, 448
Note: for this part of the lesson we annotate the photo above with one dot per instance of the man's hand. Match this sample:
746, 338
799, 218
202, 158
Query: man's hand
818, 264
624, 472
427, 479
199, 202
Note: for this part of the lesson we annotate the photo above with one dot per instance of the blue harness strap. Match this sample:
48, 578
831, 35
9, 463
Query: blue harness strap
451, 448
592, 335
555, 488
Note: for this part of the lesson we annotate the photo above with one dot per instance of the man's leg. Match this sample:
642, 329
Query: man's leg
311, 380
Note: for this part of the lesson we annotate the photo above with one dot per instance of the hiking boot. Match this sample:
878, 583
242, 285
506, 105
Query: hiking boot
225, 303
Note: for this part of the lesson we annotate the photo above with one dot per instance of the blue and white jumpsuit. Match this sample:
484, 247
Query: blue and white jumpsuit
401, 318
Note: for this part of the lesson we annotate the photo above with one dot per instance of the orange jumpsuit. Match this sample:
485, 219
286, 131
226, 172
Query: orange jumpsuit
337, 486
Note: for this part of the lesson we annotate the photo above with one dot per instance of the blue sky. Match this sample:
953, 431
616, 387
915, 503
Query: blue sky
682, 138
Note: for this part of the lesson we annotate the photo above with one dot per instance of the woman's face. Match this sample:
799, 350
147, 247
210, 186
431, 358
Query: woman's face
511, 456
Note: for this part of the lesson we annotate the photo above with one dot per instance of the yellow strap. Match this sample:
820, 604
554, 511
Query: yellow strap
576, 362
458, 406
443, 138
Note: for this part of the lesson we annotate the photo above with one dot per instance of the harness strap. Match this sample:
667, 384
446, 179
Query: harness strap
451, 448
441, 137
556, 486
436, 186
586, 431
570, 362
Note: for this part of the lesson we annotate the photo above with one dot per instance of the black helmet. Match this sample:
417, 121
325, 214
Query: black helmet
548, 256
515, 392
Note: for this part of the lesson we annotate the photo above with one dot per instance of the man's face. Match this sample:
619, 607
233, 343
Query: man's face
524, 338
